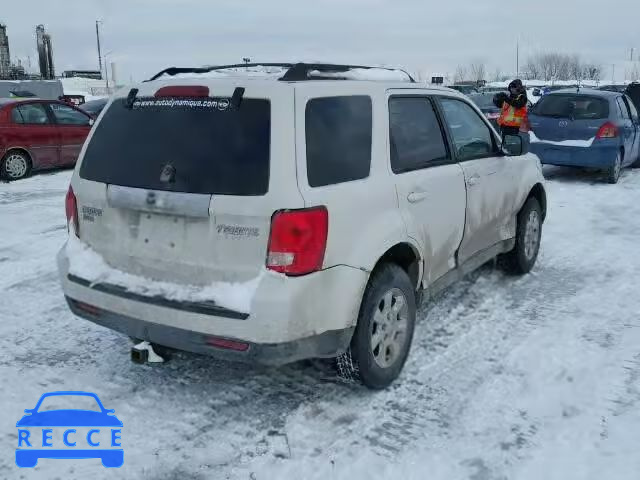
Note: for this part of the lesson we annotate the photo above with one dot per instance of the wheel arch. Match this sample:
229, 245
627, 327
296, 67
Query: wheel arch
407, 257
539, 193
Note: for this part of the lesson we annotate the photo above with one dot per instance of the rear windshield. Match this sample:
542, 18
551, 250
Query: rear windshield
184, 145
577, 107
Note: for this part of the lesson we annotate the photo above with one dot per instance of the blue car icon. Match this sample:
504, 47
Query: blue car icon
35, 430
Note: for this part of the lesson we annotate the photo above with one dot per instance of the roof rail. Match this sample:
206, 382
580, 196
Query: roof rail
295, 71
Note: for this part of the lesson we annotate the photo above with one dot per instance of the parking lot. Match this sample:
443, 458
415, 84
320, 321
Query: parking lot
537, 378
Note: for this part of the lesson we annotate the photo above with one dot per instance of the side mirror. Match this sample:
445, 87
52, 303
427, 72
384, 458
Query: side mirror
91, 122
513, 145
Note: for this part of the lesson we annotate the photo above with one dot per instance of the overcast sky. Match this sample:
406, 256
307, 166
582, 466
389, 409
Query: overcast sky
145, 36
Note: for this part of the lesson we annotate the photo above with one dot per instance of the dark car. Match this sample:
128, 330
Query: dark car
586, 128
39, 134
613, 88
484, 101
466, 89
94, 107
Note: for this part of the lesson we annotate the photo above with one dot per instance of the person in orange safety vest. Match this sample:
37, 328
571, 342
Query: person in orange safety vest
513, 108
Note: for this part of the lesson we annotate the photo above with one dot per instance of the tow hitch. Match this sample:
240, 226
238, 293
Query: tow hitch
144, 353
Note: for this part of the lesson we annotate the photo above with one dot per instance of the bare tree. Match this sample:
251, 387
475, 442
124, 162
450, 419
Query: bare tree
460, 75
478, 71
496, 76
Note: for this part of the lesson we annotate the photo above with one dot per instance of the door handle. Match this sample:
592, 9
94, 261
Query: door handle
473, 180
415, 197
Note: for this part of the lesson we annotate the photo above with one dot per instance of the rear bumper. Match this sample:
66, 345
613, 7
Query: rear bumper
325, 345
588, 157
290, 318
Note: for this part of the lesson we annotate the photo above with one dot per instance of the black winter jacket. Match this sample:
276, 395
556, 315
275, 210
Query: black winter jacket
518, 101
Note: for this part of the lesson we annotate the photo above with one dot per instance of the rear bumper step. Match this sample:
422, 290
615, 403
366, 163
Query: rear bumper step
205, 308
325, 345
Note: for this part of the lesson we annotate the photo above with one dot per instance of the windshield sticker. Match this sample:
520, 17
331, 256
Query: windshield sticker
221, 104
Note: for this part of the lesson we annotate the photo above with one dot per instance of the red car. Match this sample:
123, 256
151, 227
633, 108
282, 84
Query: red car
39, 134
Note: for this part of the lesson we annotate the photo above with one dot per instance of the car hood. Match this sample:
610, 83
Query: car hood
69, 418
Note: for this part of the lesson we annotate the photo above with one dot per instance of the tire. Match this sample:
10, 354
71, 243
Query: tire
613, 172
384, 332
15, 165
523, 257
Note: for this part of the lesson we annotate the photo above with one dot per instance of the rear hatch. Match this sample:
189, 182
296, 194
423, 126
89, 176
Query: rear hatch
179, 185
567, 117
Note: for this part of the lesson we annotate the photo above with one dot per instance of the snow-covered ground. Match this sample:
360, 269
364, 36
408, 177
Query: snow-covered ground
509, 378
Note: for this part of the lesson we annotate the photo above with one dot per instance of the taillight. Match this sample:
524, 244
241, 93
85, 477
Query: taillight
608, 130
228, 344
298, 241
71, 208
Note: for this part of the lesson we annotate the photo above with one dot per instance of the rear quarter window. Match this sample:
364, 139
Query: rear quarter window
338, 138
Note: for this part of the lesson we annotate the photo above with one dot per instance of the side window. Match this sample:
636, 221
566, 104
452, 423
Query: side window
415, 134
65, 115
30, 114
632, 108
623, 108
471, 136
338, 136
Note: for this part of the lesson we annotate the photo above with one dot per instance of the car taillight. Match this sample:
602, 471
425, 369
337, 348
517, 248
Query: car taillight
227, 344
608, 130
71, 208
298, 241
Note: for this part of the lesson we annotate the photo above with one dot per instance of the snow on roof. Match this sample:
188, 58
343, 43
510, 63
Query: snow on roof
376, 74
274, 73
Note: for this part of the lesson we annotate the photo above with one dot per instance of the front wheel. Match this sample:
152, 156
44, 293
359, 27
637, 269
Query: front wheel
383, 335
523, 257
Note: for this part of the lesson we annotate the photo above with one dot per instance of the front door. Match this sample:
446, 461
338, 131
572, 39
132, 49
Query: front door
489, 176
32, 129
430, 184
73, 127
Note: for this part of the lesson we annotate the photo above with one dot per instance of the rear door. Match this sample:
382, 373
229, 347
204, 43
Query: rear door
73, 127
430, 184
630, 130
32, 128
490, 178
635, 118
183, 188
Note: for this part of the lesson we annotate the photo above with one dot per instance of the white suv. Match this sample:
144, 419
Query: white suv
295, 216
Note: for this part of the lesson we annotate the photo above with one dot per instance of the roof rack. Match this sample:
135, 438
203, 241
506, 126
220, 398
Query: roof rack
295, 72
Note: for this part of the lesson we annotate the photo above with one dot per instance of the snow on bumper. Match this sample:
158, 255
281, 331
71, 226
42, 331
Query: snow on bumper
283, 309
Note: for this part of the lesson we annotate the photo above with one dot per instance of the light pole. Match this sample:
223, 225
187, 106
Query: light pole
106, 67
98, 22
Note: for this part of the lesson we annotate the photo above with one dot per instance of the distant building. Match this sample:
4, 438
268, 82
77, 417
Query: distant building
94, 74
5, 57
45, 53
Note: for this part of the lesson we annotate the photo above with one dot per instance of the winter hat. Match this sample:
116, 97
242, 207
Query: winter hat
517, 83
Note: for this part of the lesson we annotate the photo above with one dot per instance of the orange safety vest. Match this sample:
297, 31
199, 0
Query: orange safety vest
512, 116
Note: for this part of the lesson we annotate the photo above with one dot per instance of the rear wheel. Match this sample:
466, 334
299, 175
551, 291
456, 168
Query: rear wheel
613, 173
383, 335
523, 257
15, 165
